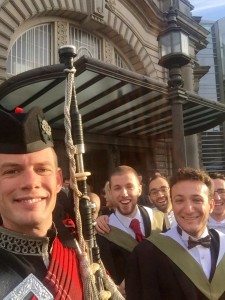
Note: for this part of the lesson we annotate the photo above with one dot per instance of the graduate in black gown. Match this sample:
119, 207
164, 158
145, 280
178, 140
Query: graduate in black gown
117, 244
188, 261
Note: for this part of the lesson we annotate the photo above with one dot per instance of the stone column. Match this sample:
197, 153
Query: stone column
177, 97
192, 149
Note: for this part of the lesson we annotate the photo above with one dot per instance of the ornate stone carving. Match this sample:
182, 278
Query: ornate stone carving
108, 53
62, 38
110, 4
97, 12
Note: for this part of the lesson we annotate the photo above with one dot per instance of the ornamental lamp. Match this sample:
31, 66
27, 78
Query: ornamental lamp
174, 48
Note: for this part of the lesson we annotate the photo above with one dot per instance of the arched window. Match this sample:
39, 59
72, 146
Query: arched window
86, 43
31, 50
90, 45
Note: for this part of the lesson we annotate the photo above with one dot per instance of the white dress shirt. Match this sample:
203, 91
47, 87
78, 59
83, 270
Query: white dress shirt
123, 222
218, 225
201, 254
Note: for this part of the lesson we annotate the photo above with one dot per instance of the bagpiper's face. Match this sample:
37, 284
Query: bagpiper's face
191, 206
125, 190
29, 184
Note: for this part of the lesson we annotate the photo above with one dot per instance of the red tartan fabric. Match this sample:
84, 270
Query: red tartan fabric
63, 278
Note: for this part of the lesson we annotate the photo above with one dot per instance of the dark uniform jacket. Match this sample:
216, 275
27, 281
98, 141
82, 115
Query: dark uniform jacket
20, 256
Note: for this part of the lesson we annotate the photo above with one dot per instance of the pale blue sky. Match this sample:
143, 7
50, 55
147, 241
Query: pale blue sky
209, 9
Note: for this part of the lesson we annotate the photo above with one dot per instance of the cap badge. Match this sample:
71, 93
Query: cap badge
46, 128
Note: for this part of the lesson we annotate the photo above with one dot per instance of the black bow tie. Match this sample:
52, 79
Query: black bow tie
205, 242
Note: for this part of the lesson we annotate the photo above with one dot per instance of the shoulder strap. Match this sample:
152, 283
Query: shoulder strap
190, 267
166, 223
120, 238
157, 220
214, 250
146, 220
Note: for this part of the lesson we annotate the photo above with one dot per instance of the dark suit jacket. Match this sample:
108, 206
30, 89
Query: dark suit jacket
115, 257
150, 274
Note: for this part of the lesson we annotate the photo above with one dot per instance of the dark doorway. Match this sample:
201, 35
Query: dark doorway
96, 162
134, 159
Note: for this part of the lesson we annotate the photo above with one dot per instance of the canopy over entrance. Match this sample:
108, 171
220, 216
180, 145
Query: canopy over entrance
112, 101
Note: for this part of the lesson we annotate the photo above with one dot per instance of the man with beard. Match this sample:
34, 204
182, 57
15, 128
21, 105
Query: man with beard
188, 261
159, 197
217, 217
116, 245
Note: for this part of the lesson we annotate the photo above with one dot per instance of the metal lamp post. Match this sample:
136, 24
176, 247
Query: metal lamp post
174, 49
174, 54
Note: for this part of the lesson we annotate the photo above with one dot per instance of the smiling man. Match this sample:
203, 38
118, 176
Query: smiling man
188, 261
29, 184
31, 255
159, 193
159, 197
116, 245
217, 217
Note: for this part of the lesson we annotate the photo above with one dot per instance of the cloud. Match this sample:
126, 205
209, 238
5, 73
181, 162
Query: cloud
201, 5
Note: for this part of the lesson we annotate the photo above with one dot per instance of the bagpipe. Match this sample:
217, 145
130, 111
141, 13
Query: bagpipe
97, 284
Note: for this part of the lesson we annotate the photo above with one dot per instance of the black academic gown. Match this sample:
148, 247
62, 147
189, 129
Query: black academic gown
152, 275
113, 256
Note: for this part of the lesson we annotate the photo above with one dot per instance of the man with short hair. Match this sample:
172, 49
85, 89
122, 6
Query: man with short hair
188, 261
217, 217
31, 255
159, 197
66, 186
116, 245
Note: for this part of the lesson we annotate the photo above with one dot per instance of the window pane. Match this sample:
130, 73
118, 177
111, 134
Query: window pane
86, 43
166, 44
31, 50
119, 61
184, 44
176, 42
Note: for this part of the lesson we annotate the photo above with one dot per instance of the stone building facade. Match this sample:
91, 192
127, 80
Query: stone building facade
123, 33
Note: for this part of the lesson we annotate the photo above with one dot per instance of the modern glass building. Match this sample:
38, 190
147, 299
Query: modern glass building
212, 85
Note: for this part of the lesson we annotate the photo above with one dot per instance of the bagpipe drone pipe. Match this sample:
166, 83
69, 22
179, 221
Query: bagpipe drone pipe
97, 284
